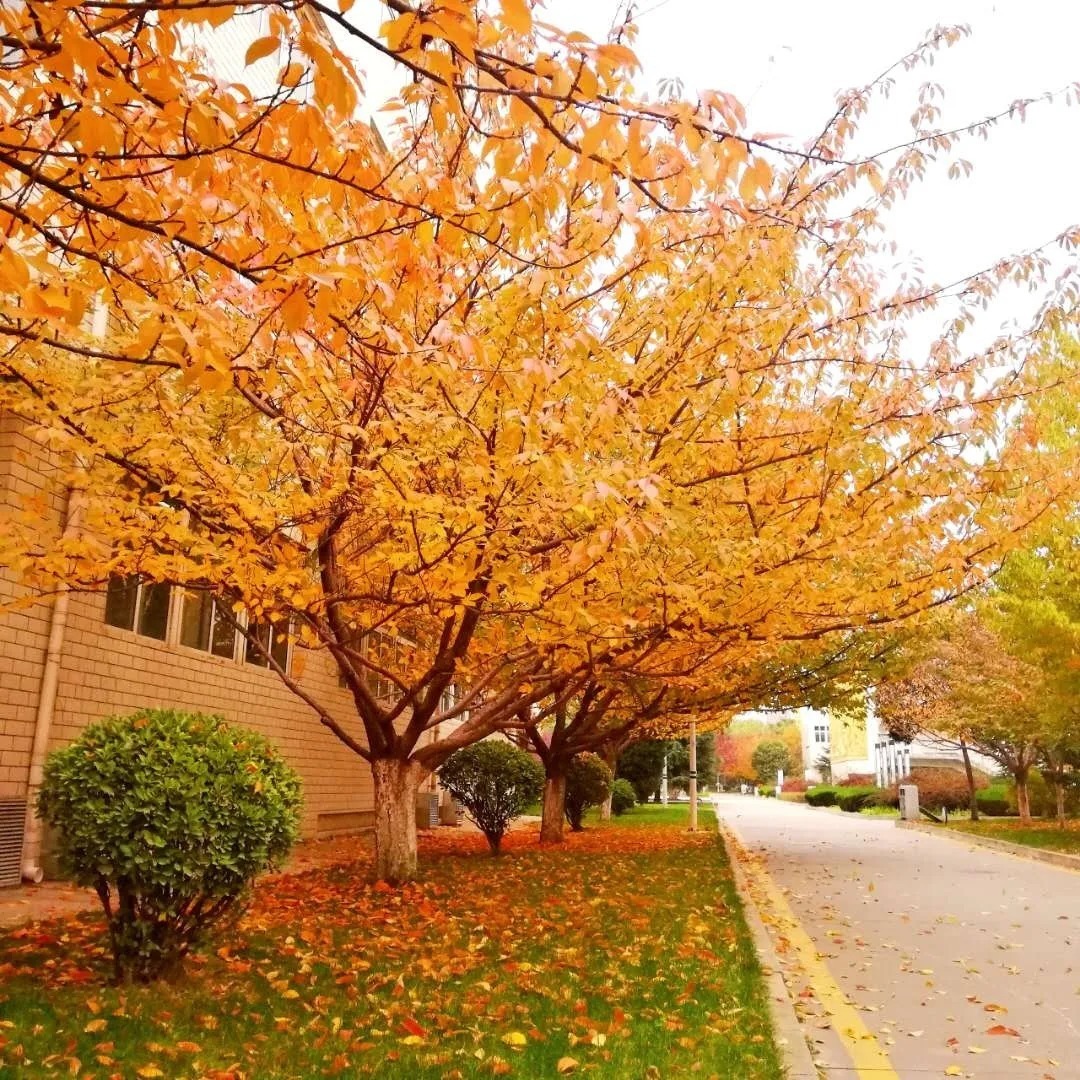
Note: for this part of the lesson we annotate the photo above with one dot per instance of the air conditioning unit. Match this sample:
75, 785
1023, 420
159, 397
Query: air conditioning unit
427, 810
12, 823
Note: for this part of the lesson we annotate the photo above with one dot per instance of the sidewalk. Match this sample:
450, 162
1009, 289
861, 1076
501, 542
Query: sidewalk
912, 955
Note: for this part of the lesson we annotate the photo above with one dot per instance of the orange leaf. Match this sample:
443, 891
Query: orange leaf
516, 16
260, 47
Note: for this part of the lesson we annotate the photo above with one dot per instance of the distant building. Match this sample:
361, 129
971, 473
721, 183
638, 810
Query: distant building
856, 744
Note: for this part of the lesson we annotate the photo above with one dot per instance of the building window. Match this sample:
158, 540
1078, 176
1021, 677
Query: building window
197, 620
134, 604
821, 733
205, 626
387, 651
273, 639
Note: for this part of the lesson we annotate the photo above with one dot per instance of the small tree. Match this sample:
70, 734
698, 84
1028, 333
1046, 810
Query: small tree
588, 781
169, 816
642, 763
768, 758
622, 797
494, 781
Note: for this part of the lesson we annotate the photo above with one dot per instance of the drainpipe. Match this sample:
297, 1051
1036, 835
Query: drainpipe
50, 679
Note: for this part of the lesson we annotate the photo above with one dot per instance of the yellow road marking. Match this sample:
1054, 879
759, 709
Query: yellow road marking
867, 1054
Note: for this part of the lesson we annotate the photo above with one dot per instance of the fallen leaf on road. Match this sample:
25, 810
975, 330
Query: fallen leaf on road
1001, 1029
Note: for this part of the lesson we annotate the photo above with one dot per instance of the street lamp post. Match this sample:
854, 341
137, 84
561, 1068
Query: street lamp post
693, 776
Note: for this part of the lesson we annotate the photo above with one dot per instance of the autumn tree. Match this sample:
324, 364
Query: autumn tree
961, 683
541, 379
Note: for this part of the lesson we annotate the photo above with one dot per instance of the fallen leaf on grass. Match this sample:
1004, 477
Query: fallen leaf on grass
566, 1065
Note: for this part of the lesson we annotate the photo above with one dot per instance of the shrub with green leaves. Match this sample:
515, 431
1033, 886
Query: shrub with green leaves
168, 816
588, 781
622, 797
821, 795
494, 780
853, 799
994, 800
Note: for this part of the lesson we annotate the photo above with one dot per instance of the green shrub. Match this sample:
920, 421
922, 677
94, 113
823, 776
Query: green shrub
821, 795
495, 781
622, 797
993, 801
588, 781
168, 816
853, 799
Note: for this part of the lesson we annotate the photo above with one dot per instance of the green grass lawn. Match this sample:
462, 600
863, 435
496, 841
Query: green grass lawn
622, 950
1041, 834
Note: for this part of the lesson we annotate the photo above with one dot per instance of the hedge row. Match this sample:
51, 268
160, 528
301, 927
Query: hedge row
851, 799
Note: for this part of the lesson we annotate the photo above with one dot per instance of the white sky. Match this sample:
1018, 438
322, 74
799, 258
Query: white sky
787, 59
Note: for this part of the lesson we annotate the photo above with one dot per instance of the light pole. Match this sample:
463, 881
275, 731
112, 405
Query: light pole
693, 776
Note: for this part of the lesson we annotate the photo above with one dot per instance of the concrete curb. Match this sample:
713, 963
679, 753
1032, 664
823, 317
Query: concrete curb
1054, 858
797, 1062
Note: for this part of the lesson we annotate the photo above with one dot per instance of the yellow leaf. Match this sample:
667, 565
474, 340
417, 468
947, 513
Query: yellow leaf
566, 1065
261, 47
516, 16
412, 1040
148, 1071
95, 1025
954, 1070
515, 1038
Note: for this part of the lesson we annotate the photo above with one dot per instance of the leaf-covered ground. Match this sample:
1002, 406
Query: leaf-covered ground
1045, 834
622, 954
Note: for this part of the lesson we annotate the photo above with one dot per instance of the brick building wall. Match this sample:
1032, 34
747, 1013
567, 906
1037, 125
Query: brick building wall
106, 670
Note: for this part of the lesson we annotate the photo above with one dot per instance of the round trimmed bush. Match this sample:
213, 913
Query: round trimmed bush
168, 816
821, 795
588, 781
622, 797
853, 799
494, 780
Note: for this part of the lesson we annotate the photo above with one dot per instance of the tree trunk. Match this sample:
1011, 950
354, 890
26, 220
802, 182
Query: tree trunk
396, 785
1023, 803
973, 802
554, 810
1059, 797
610, 760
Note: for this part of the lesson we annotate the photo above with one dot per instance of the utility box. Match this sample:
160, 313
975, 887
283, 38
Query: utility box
450, 810
909, 802
427, 810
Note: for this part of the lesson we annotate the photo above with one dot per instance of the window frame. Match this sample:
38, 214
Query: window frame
174, 624
141, 587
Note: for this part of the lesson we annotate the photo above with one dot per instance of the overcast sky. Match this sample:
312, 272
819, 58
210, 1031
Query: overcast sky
786, 61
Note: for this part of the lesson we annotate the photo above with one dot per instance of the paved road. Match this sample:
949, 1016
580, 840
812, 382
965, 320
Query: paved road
956, 957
